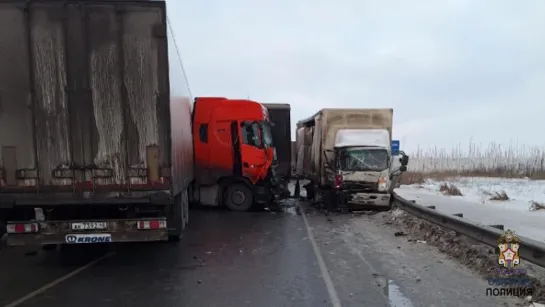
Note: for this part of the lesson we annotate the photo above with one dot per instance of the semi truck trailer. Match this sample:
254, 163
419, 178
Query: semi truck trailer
280, 116
89, 150
346, 154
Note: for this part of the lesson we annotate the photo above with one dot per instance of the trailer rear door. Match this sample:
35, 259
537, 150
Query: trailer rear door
83, 96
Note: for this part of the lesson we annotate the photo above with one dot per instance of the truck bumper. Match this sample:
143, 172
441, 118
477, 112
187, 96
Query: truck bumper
60, 232
262, 195
365, 200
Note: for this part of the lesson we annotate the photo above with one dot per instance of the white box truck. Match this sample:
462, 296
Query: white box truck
346, 155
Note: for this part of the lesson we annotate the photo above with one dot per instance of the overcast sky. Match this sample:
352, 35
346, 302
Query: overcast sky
451, 70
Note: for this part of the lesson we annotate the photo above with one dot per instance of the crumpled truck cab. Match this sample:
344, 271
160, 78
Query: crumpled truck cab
362, 164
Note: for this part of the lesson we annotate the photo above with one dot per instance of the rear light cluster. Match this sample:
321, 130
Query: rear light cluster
338, 180
22, 228
151, 225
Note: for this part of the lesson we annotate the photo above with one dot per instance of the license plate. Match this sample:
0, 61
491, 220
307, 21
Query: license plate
88, 238
89, 226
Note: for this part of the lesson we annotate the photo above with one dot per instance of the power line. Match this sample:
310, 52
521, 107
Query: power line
179, 56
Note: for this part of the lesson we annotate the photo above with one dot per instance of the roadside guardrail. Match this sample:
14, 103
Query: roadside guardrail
530, 250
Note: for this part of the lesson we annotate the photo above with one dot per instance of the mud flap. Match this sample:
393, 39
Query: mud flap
297, 190
176, 219
311, 193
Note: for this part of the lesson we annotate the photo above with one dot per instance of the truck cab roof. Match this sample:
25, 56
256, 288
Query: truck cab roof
362, 137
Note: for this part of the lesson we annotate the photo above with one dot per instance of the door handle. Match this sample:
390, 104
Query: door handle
245, 164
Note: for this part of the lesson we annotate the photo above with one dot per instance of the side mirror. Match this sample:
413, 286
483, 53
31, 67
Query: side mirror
404, 160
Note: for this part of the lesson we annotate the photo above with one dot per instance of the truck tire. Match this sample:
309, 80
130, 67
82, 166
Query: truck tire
331, 200
239, 197
311, 191
177, 219
191, 196
186, 203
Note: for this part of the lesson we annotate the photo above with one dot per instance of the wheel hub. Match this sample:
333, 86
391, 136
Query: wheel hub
238, 198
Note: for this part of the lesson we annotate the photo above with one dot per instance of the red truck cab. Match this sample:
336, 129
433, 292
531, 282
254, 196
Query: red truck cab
233, 152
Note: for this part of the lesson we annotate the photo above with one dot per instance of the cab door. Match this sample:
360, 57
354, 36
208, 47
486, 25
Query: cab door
252, 150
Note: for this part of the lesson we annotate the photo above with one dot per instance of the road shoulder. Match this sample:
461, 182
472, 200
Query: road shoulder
363, 251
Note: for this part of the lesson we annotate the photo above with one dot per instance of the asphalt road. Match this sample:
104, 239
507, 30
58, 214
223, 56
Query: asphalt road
252, 259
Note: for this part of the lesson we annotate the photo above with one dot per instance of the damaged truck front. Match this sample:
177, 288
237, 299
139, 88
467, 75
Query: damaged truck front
88, 151
346, 154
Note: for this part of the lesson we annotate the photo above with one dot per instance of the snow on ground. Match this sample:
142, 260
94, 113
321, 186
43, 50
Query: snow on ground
476, 205
520, 191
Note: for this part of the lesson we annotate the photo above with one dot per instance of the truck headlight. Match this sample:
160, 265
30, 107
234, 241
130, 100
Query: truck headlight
383, 183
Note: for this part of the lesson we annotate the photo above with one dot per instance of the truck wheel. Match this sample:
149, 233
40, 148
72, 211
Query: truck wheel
311, 192
239, 197
191, 196
331, 200
186, 204
175, 235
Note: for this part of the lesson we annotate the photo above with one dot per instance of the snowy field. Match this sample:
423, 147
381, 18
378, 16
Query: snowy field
515, 213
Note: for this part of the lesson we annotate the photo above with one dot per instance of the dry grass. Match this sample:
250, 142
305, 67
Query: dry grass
500, 196
450, 189
493, 160
534, 206
412, 178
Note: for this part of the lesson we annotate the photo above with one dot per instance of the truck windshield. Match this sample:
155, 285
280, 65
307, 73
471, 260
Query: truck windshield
266, 133
364, 159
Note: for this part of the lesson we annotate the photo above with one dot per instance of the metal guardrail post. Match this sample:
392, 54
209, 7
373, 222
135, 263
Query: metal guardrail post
531, 250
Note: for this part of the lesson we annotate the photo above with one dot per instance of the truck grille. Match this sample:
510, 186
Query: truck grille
360, 186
